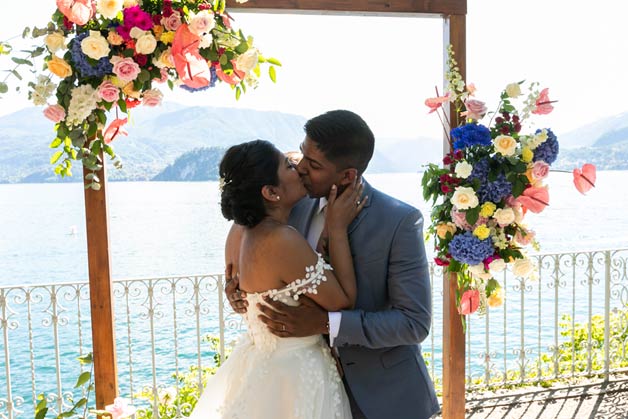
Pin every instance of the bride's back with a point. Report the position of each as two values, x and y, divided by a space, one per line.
253 255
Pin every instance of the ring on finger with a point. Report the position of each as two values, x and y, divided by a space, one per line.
283 327
357 203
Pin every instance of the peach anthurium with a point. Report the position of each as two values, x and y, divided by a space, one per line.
192 68
436 102
114 129
584 179
534 198
469 302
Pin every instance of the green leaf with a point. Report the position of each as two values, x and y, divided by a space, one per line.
144 76
122 105
41 413
242 48
21 61
82 402
56 142
272 74
26 32
86 359
95 186
238 92
3 87
16 74
274 61
55 157
223 60
109 151
472 215
91 131
37 52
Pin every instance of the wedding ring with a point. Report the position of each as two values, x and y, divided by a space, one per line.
283 327
357 203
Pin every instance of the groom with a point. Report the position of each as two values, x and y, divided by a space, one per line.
378 342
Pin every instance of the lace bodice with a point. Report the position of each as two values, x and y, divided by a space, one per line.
257 331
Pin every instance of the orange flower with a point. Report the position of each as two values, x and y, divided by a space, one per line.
584 179
469 302
436 102
543 103
534 198
114 129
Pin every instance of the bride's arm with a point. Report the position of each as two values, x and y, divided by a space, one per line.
341 210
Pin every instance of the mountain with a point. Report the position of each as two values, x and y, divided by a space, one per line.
197 165
604 132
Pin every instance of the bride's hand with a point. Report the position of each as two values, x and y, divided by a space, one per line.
343 208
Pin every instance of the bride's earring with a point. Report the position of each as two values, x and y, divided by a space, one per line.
278 197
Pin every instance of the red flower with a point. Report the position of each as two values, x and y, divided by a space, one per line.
505 130
140 59
131 103
584 179
445 189
517 127
447 160
534 198
458 155
441 262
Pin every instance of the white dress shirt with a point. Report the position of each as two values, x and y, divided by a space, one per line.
313 235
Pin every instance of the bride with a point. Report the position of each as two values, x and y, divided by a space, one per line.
267 377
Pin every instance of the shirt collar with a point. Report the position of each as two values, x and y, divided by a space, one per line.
322 203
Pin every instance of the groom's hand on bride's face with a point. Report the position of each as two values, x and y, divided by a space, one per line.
235 296
284 321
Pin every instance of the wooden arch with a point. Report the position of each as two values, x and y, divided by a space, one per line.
453 14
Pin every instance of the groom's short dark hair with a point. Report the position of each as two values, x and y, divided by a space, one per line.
344 138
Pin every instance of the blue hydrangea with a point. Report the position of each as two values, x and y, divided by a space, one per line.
469 135
467 248
81 61
548 150
212 83
479 171
494 191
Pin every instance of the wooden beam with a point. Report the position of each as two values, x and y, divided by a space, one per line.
428 7
100 291
453 334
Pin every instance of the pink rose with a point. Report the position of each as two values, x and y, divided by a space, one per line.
108 91
120 408
77 11
125 68
524 237
172 22
475 109
460 220
164 76
152 97
540 170
55 113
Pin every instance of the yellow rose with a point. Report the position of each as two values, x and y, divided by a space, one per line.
165 59
513 90
443 228
145 44
55 41
95 46
59 67
526 155
464 198
496 299
167 37
487 209
482 232
505 145
129 91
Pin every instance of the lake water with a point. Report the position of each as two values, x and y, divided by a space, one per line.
162 229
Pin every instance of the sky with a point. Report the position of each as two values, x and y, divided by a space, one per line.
385 67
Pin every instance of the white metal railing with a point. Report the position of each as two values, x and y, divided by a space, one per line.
161 324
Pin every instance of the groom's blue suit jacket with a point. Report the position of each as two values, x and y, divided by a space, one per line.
379 340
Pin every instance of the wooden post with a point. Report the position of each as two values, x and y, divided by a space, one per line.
453 335
100 291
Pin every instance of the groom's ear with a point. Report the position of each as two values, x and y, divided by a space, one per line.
348 176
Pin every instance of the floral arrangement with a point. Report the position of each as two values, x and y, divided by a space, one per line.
493 175
117 52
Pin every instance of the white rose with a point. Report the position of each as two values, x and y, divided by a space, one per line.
522 267
505 144
55 41
145 44
513 90
463 169
518 214
504 216
109 8
95 46
206 41
479 272
136 32
247 61
201 22
497 265
464 198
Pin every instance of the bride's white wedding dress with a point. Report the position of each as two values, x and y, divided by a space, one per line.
267 377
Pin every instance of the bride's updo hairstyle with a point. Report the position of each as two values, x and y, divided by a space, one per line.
244 170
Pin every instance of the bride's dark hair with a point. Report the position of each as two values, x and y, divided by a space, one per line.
244 170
